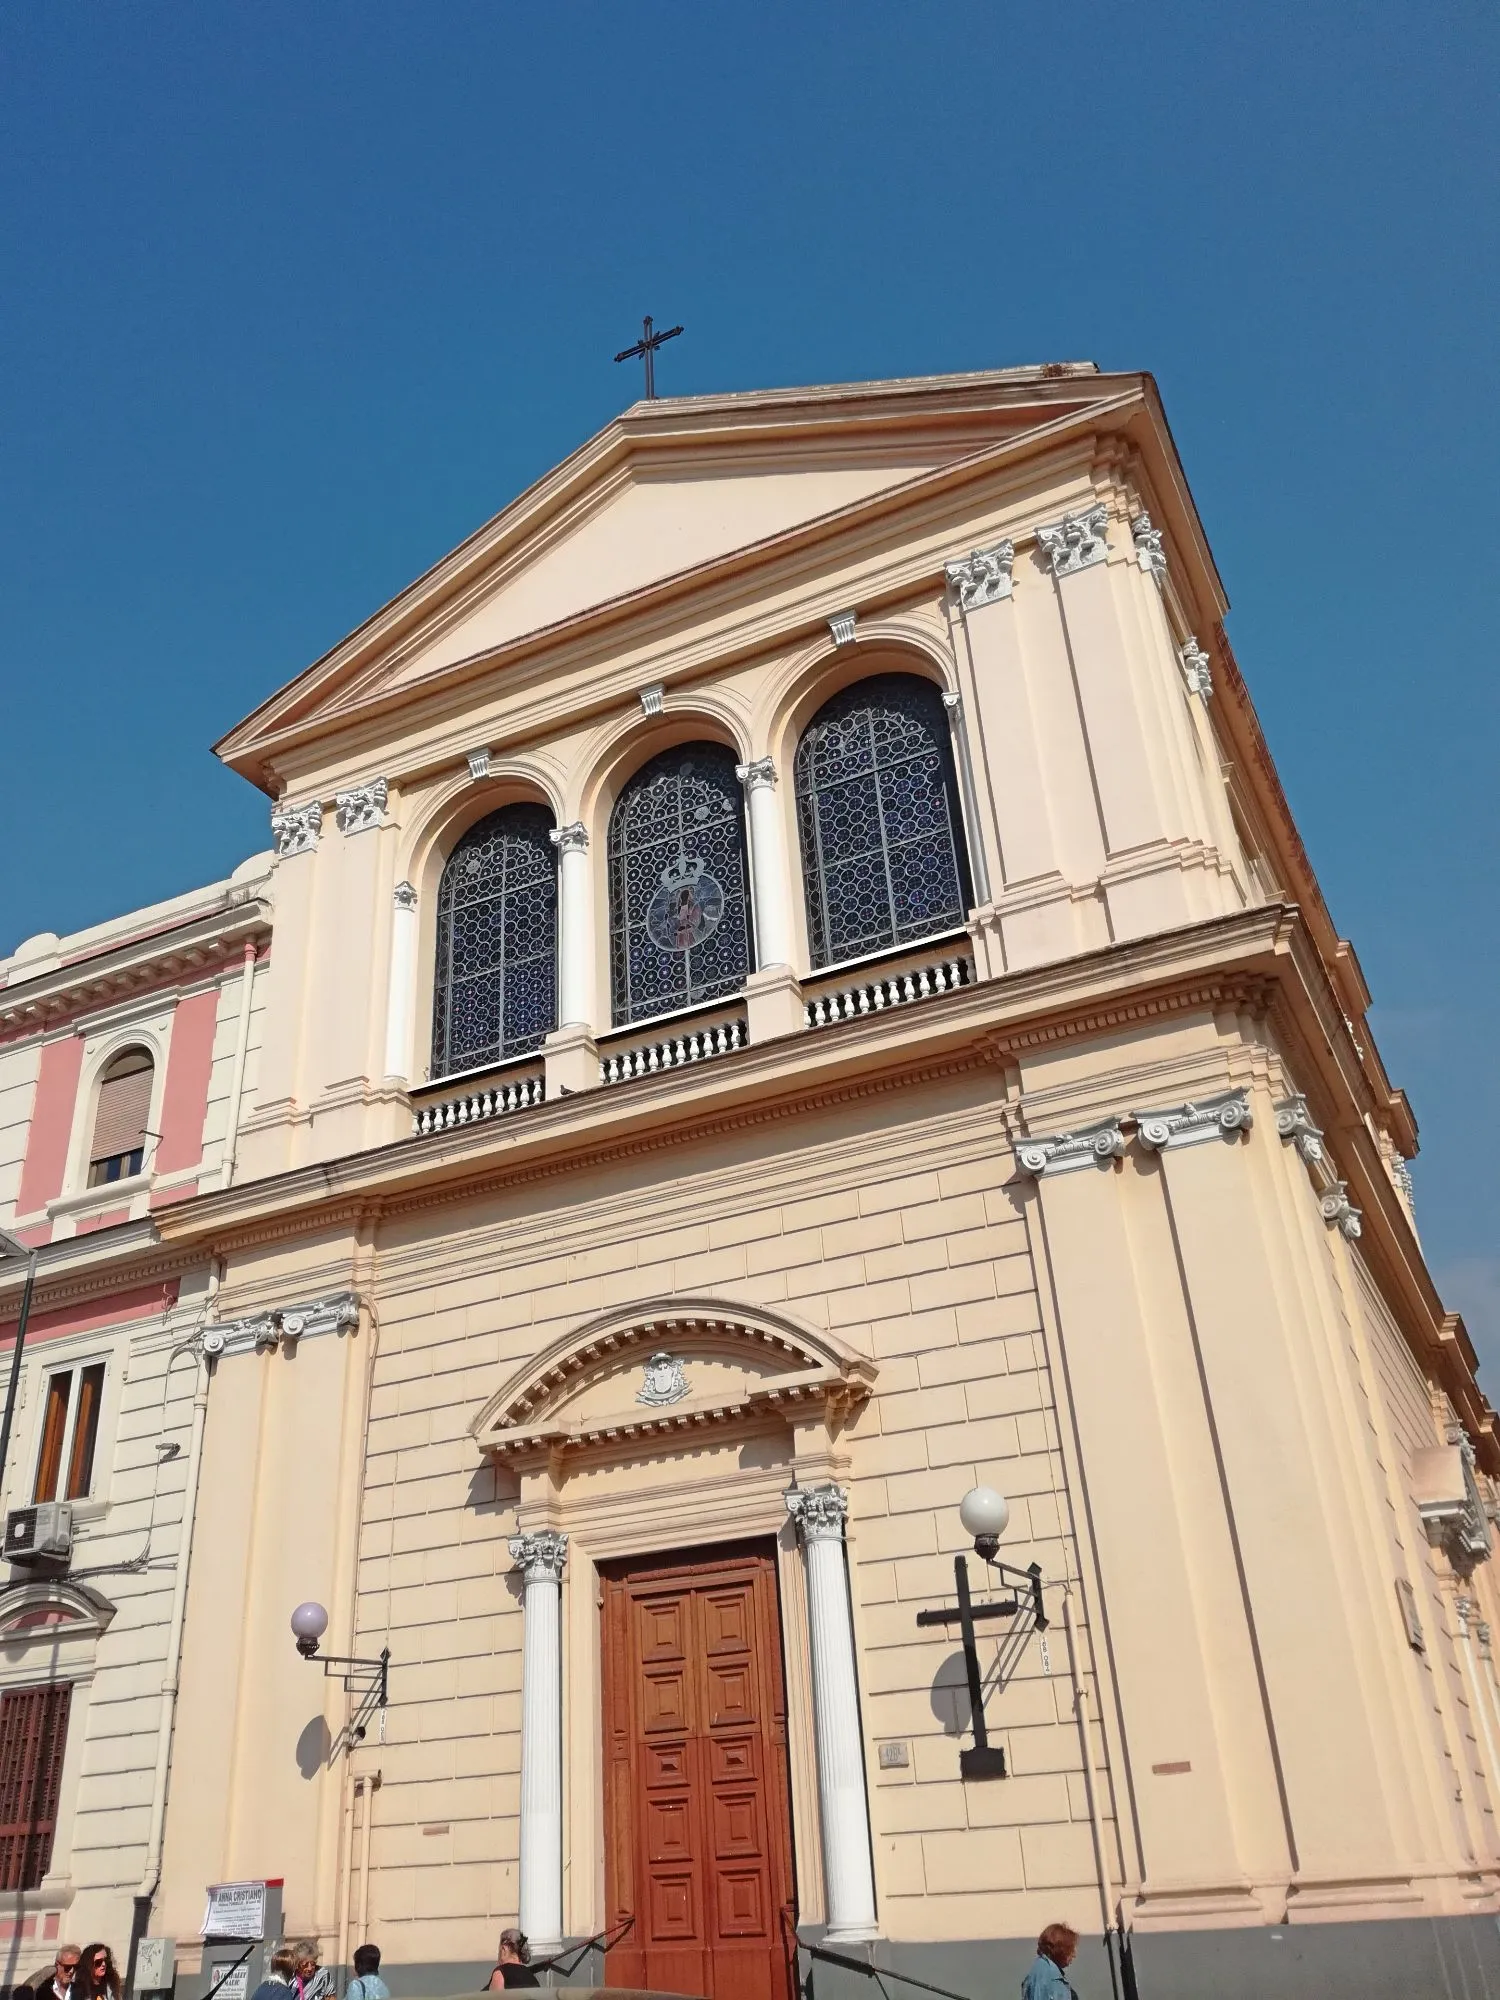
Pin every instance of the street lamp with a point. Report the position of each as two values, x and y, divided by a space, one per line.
11 1246
985 1515
370 1679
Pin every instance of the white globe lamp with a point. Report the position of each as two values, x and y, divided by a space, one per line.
985 1515
309 1623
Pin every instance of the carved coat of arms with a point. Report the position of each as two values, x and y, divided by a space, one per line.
664 1381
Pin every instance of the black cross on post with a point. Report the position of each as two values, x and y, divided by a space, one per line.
646 347
987 1760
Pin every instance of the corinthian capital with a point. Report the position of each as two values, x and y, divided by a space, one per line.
819 1512
1077 542
1149 552
540 1556
572 839
983 577
295 829
362 807
754 775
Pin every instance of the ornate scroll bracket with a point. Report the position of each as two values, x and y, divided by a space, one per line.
1338 1209
362 807
1149 552
983 577
295 829
1078 541
263 1332
818 1511
1294 1123
572 839
1197 669
540 1556
1219 1117
1094 1146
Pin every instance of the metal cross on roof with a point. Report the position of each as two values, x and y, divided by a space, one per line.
646 347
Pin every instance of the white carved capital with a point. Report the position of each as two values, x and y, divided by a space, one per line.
1095 1146
362 807
1337 1208
760 773
338 1313
1149 552
983 577
572 839
652 698
1401 1175
540 1556
406 896
295 829
841 625
479 764
1294 1122
819 1512
1197 669
1077 541
954 703
1190 1124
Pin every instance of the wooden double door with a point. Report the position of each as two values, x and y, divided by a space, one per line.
698 1844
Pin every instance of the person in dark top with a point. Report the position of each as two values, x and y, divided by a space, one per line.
513 1966
278 1986
98 1976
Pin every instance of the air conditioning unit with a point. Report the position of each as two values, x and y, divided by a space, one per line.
39 1534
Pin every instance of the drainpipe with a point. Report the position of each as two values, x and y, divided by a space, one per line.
237 1074
151 1876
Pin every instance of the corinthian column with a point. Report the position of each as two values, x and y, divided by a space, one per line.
843 1807
773 913
540 1557
575 985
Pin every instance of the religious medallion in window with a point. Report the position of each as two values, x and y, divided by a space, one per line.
495 990
679 912
883 859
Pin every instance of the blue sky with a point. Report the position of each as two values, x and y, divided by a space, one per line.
296 297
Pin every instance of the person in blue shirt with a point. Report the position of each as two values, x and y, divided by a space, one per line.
1054 1954
367 1983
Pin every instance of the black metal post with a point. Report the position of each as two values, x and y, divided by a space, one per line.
15 1361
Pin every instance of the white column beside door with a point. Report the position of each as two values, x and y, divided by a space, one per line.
540 1557
843 1804
773 913
575 983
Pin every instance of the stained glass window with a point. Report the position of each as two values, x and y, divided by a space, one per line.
496 979
883 860
679 908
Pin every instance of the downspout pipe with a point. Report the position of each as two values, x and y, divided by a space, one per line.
237 1073
151 1877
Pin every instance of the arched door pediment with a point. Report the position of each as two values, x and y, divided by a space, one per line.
679 1367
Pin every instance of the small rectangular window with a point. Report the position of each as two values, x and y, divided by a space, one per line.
70 1433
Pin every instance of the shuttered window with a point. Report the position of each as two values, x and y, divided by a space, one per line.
70 1433
120 1119
33 1732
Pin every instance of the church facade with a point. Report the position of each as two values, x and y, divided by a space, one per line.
787 990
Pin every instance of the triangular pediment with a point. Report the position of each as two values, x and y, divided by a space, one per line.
645 1371
667 492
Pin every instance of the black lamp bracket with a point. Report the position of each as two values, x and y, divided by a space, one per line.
1023 1607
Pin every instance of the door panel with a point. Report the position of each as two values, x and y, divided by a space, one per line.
698 1843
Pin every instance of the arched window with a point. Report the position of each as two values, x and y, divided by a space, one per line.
679 911
119 1142
883 860
495 991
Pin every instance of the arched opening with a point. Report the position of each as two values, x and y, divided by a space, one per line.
679 904
883 858
118 1147
495 971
